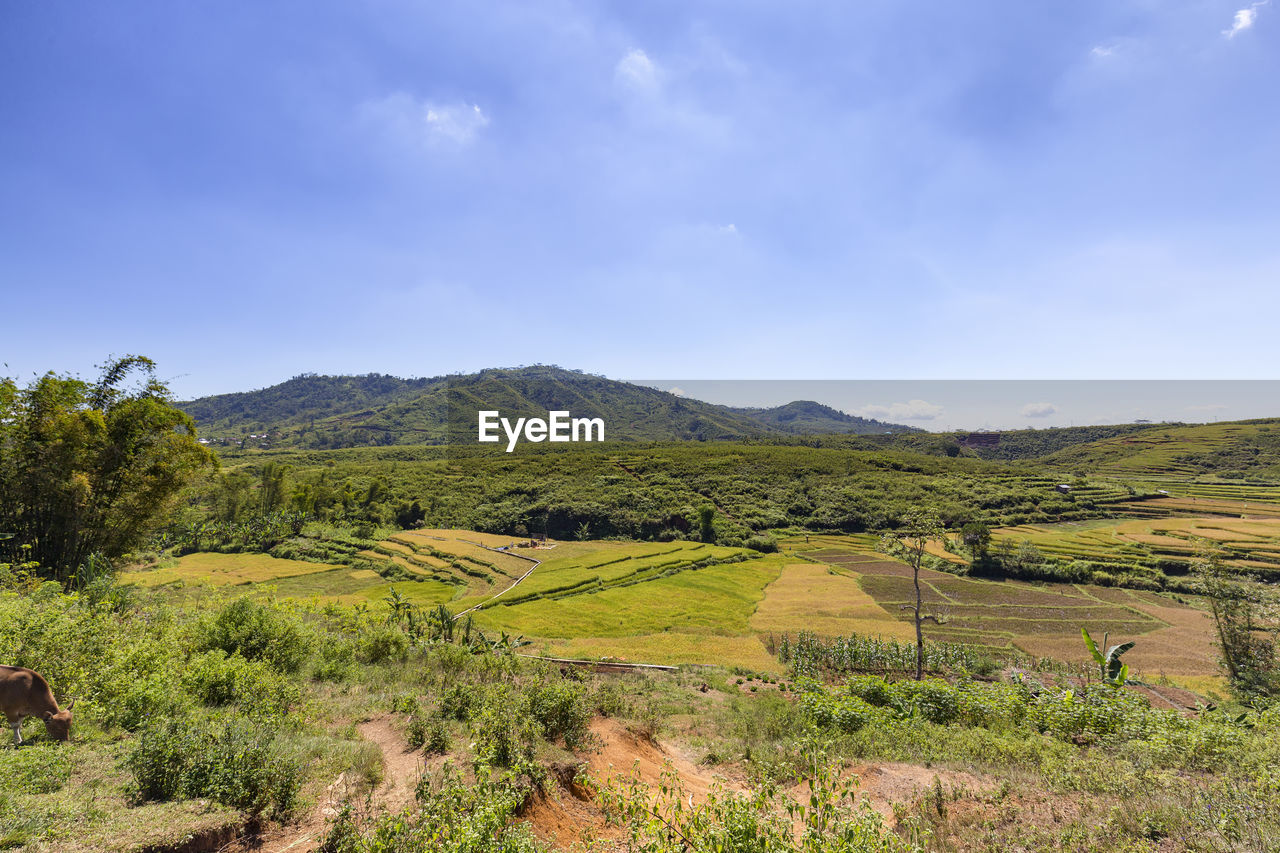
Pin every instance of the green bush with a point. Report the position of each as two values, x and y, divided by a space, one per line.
216 678
258 632
336 660
763 544
428 733
458 700
503 728
231 760
382 644
450 817
561 709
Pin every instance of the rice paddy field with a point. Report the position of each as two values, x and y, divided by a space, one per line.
684 602
1248 541
1174 637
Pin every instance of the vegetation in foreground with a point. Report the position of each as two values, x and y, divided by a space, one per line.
252 708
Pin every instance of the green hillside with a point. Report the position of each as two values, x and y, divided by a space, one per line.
354 411
1235 450
805 417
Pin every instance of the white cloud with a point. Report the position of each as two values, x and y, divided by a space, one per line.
423 122
728 229
1244 19
913 410
636 71
676 391
1102 51
1039 410
457 123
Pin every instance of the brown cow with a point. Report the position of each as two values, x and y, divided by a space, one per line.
25 693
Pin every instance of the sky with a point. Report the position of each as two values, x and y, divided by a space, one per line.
718 190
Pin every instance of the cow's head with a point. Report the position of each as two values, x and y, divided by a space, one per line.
59 725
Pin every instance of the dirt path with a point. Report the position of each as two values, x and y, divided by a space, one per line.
402 767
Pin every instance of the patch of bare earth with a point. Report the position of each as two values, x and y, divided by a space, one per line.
888 783
567 814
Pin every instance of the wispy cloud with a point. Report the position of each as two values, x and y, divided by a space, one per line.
912 410
416 121
1039 410
1102 51
1244 19
637 72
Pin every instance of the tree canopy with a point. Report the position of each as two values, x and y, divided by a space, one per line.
87 468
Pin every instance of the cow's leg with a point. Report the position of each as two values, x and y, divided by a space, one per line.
17 732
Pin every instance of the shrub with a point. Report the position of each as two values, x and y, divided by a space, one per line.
561 710
457 701
428 733
232 760
337 660
382 644
216 678
763 544
258 632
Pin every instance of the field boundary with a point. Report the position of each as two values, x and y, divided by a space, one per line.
514 584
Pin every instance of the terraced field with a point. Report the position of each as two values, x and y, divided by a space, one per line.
685 602
1251 543
1174 638
227 570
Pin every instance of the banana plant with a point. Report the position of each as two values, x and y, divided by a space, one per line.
1113 672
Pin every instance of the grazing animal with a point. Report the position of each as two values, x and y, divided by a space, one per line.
25 693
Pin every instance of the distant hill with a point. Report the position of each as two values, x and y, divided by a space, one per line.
352 411
805 417
1227 450
1035 443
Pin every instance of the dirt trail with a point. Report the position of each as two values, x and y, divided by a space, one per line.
402 767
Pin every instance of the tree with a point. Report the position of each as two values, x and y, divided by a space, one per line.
1244 618
910 543
706 523
976 536
87 469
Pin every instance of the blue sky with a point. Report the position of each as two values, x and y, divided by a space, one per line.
869 190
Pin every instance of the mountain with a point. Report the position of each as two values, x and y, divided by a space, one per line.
347 411
805 417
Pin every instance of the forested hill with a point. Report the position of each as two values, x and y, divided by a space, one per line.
805 417
301 400
1035 443
354 411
